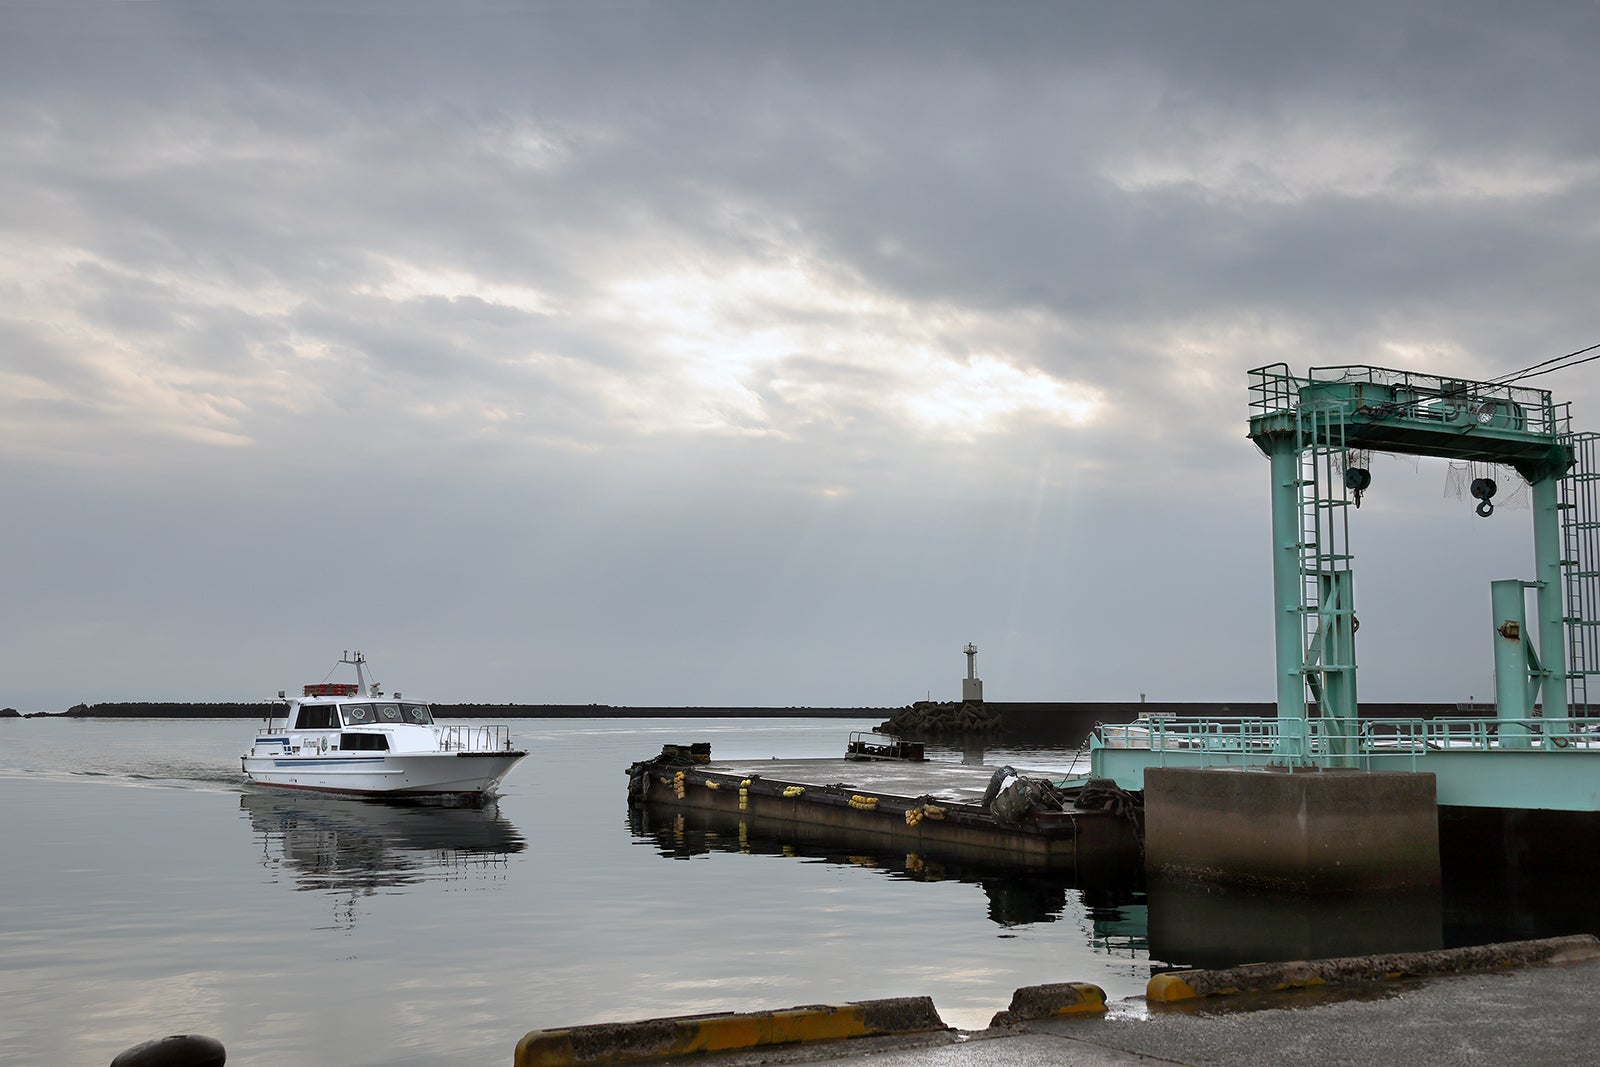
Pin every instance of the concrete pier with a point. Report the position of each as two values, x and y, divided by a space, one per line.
1304 831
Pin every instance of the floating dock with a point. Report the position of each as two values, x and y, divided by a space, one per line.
923 807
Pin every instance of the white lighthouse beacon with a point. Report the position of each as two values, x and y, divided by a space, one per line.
972 685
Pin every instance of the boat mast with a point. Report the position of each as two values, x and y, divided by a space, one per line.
358 661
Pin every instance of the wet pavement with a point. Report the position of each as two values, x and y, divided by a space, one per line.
1533 1015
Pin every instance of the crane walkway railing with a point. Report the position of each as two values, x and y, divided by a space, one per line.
1319 742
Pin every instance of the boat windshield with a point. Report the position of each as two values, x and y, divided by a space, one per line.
358 714
366 714
316 717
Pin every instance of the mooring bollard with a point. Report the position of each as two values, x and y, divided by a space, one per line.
179 1050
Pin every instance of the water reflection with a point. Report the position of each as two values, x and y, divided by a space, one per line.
339 843
1207 926
1178 924
1016 896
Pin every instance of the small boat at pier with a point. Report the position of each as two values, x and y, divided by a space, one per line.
350 738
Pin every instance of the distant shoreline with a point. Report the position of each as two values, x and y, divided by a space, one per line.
1021 713
176 710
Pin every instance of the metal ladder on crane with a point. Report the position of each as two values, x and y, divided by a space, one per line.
1580 567
1327 611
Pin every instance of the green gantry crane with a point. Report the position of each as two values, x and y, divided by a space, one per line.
1309 426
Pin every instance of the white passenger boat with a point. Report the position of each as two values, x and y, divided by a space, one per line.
351 738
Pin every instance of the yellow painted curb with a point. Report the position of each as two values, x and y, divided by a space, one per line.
1091 999
1176 986
1049 1001
657 1039
1167 988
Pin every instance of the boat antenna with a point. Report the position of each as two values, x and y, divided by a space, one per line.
359 662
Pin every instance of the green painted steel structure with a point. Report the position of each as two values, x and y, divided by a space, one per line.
1557 768
1541 750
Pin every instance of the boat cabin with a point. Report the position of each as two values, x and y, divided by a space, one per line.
335 716
338 717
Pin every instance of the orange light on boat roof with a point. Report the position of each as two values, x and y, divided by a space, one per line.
331 689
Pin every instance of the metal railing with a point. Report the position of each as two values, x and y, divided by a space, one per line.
470 738
1273 389
1403 394
1480 735
1161 734
1431 398
1247 742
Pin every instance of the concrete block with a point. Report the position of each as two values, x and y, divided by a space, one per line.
662 1039
1175 986
1050 1001
1308 831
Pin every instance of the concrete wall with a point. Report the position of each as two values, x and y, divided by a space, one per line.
1304 831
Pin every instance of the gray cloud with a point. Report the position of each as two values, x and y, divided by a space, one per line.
719 353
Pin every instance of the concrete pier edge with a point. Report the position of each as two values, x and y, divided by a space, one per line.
656 1040
661 1039
1176 986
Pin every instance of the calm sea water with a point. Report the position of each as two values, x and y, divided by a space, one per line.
146 891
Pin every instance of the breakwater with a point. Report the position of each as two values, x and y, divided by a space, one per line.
1039 720
187 710
1067 722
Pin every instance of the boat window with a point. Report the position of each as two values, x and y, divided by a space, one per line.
357 714
317 717
388 712
364 742
417 714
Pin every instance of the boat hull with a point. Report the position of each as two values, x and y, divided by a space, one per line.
397 775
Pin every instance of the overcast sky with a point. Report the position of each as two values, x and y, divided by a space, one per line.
752 353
